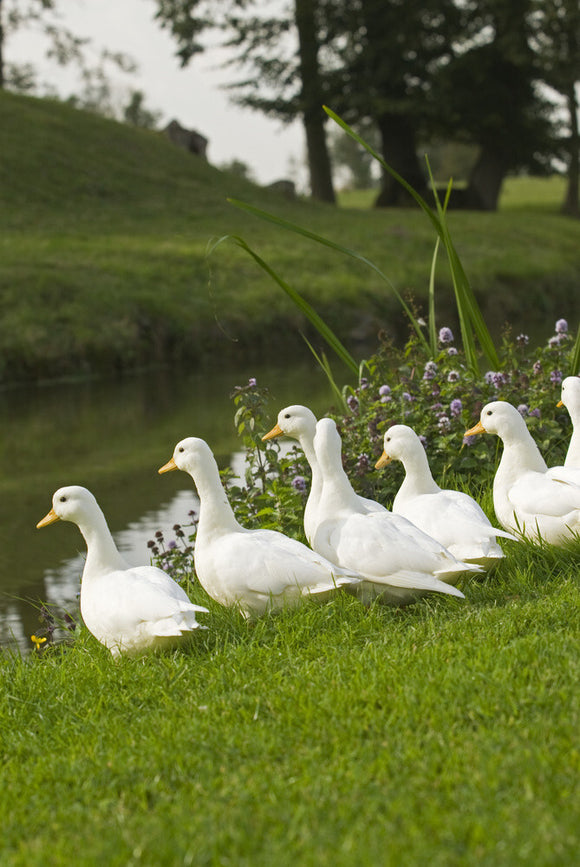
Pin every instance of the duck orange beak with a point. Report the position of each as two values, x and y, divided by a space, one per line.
476 429
166 468
383 461
49 518
560 403
275 432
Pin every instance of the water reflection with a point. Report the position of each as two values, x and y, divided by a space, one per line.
110 437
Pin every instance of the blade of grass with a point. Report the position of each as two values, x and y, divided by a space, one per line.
299 230
468 309
298 300
576 355
324 364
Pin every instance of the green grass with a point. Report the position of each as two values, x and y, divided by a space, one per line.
445 733
103 234
545 194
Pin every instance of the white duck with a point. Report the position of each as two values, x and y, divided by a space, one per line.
254 570
454 518
397 561
299 422
571 400
127 608
528 497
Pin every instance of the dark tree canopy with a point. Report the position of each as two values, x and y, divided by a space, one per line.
466 72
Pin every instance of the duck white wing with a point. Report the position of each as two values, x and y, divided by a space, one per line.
259 569
389 550
544 506
135 609
456 521
570 475
542 494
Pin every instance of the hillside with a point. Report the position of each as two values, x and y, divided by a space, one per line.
104 232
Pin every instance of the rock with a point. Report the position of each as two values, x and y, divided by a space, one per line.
189 139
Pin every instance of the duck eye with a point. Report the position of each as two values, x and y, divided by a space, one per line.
181 449
63 499
387 439
489 412
287 415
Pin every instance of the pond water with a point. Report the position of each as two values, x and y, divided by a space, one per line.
110 437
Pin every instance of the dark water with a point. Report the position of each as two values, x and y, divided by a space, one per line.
110 437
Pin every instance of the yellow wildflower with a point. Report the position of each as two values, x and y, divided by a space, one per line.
38 640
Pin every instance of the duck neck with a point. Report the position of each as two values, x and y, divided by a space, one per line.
337 492
520 454
418 478
102 553
573 453
306 441
215 513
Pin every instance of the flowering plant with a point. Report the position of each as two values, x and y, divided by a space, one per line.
443 397
439 399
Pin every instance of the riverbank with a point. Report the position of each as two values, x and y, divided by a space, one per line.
104 269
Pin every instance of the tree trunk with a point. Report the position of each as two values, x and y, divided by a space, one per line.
571 203
312 100
485 181
399 148
2 75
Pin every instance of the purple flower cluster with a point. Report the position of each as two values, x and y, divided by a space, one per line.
556 377
522 340
363 464
299 483
445 335
352 403
495 378
523 409
385 393
455 407
561 327
430 370
444 423
453 376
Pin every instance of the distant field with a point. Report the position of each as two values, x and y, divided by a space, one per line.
104 232
546 194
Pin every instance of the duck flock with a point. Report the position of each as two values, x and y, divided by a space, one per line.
425 544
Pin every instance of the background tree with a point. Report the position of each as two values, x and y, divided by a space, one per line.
487 97
349 155
555 36
387 53
63 46
277 54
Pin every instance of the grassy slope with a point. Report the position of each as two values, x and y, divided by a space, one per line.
443 734
103 237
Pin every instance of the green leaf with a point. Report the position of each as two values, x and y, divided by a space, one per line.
320 239
303 305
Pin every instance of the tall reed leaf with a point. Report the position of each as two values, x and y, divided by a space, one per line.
470 317
326 242
323 363
303 305
576 354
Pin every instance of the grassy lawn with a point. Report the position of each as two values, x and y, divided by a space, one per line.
445 733
103 267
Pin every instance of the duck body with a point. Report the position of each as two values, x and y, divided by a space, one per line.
571 400
397 560
299 422
451 517
528 498
253 570
128 609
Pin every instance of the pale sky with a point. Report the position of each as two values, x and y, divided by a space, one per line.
191 95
